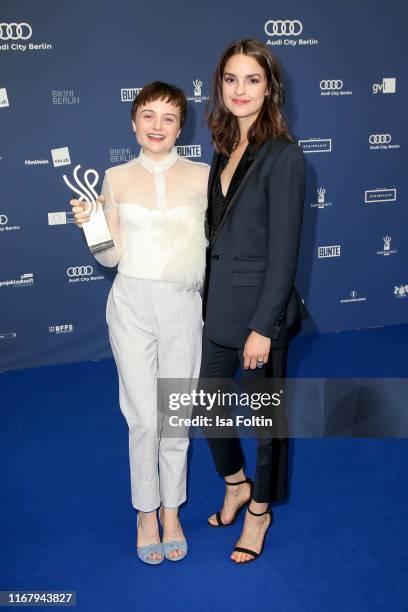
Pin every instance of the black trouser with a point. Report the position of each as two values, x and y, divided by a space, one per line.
271 476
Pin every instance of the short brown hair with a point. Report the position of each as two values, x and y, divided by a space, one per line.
161 91
270 121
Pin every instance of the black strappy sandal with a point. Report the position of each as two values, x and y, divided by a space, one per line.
218 514
254 554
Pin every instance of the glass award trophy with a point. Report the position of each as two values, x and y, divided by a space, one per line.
96 230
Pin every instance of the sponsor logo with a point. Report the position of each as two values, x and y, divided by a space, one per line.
8 335
3 98
321 199
352 298
36 162
121 155
80 271
380 195
387 247
60 157
25 280
78 274
388 86
15 31
197 97
329 251
401 291
128 95
60 218
64 96
4 225
316 145
381 142
66 328
333 87
189 150
14 37
286 32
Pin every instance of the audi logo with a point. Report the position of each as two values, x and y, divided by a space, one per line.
3 219
334 84
15 31
80 271
285 27
380 139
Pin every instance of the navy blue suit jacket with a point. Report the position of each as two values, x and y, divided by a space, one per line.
252 258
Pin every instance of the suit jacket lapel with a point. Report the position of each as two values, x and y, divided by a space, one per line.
239 189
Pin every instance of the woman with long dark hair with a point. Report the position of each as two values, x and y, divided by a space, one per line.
251 307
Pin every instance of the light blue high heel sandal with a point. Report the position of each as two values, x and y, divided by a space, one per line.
173 545
144 552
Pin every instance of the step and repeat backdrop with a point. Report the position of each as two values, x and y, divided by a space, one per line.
69 71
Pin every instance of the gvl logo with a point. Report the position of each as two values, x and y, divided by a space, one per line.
380 195
321 201
387 247
388 86
3 98
129 94
329 251
316 145
401 291
189 150
60 157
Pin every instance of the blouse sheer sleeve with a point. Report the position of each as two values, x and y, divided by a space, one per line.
110 257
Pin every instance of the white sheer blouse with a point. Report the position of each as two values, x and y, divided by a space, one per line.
155 213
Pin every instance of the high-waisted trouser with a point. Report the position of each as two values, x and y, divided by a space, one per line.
271 473
155 331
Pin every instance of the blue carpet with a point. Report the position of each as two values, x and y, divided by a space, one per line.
66 522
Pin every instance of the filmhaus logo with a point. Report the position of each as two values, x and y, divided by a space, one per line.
333 250
25 280
333 87
316 145
4 225
321 199
198 96
4 101
380 195
381 142
287 32
65 328
64 96
129 94
120 155
352 298
60 157
16 36
189 150
387 86
401 291
77 274
387 247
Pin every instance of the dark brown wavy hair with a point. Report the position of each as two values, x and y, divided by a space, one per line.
270 121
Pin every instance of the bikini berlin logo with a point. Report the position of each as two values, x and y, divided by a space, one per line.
286 32
84 188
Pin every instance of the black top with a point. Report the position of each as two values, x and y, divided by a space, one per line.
218 202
